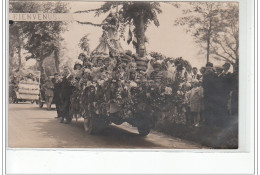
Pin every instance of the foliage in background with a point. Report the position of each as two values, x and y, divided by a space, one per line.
41 38
17 35
215 27
201 19
226 46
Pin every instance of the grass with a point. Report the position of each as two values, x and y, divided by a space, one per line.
225 137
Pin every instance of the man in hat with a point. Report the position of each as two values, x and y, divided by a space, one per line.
82 57
225 86
57 93
210 95
66 91
141 61
78 71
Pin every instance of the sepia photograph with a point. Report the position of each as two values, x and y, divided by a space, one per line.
123 74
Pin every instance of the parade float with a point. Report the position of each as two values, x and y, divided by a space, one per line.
116 86
106 91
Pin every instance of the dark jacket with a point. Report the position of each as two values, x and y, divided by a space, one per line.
66 87
57 92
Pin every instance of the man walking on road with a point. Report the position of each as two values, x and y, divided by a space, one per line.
66 91
57 94
48 88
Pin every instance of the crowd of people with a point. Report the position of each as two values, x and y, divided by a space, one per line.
119 84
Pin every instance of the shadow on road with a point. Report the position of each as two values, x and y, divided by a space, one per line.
74 136
34 107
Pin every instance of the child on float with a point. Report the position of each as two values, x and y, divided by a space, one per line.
83 58
157 73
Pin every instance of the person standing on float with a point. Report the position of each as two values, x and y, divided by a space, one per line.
141 63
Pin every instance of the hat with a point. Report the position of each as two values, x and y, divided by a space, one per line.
226 65
77 63
82 55
128 52
209 64
219 68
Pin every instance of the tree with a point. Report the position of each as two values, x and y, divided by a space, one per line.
16 33
138 14
16 40
202 20
42 38
84 44
226 46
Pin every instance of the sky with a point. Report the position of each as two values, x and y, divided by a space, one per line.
168 39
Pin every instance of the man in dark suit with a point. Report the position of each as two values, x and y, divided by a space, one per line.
226 84
57 93
66 92
210 95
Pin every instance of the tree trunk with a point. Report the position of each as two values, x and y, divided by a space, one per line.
19 58
208 40
140 32
208 47
41 66
57 60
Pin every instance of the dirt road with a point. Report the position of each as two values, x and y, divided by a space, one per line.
32 127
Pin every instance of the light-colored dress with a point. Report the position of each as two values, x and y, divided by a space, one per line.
196 97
